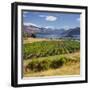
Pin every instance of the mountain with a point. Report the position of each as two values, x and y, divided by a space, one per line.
73 33
52 33
33 30
30 30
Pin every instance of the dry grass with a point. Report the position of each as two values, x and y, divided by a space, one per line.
67 69
73 69
31 40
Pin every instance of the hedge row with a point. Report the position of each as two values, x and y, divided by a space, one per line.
46 63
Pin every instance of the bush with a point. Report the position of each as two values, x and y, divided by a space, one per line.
58 62
39 65
42 64
33 35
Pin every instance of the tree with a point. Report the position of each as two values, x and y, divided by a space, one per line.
33 35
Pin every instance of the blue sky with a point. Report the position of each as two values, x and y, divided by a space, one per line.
51 19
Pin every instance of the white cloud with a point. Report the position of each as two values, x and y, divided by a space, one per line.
42 16
24 15
25 12
48 18
49 27
28 24
78 19
51 18
66 27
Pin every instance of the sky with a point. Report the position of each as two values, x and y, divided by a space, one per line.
55 20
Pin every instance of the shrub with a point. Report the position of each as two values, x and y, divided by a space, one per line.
58 62
46 63
39 65
33 35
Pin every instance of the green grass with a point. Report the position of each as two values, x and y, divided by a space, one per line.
49 48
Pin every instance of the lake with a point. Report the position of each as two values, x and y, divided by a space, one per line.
56 36
48 35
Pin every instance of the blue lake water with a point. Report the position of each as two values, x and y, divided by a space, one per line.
55 36
45 35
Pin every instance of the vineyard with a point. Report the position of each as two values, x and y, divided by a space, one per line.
42 57
49 48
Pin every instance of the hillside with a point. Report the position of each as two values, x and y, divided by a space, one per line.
41 32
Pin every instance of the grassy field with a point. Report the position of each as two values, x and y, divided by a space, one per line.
50 57
31 40
49 48
71 67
